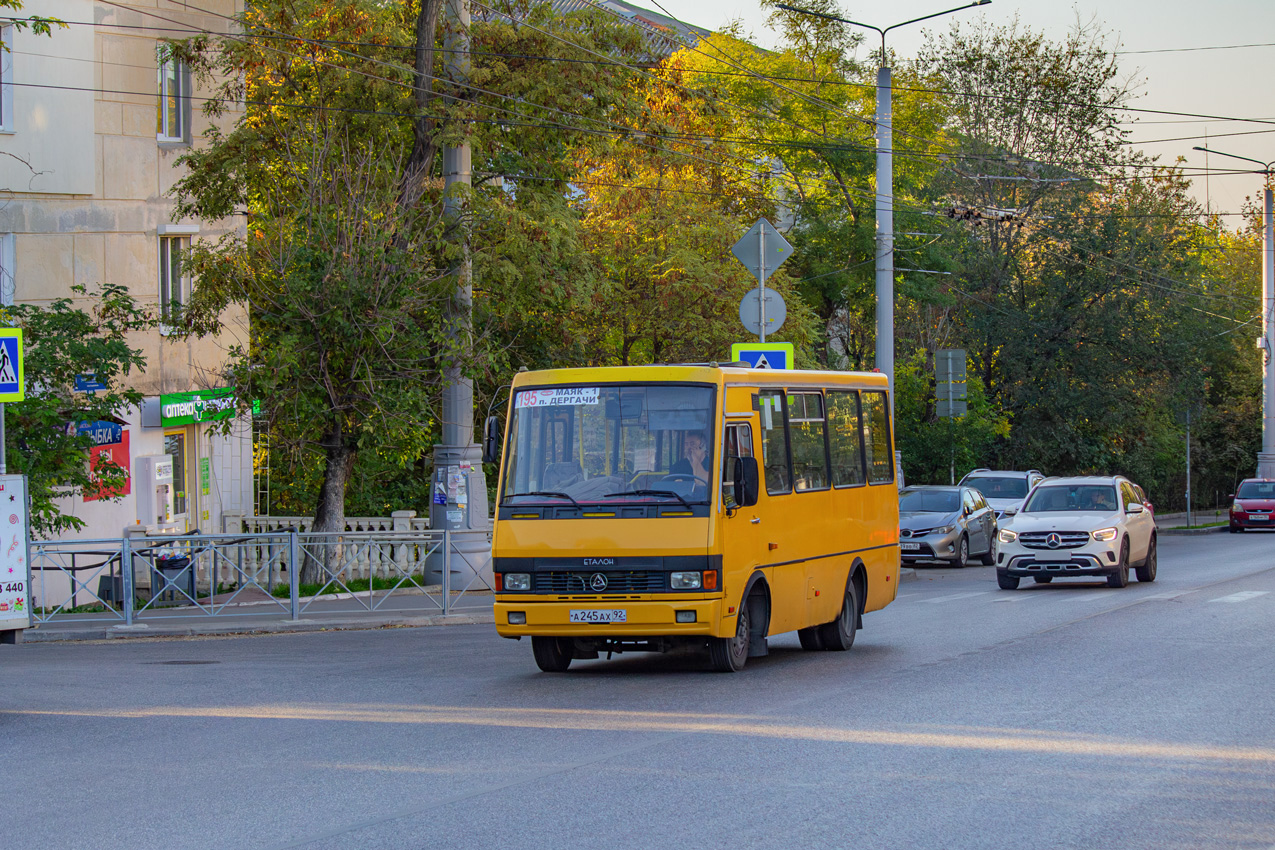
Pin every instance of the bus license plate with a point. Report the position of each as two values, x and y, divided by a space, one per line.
910 547
599 615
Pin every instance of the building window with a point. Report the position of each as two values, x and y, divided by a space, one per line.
174 283
174 101
7 284
6 79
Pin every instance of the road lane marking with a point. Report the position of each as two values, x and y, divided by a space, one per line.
1015 597
1242 596
956 596
1164 596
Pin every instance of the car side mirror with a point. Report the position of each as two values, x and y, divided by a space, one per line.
1134 508
491 440
747 481
1231 497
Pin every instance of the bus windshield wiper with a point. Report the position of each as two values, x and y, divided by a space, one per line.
546 493
649 493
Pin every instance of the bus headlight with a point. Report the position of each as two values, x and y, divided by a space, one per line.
685 581
1008 535
517 581
1105 534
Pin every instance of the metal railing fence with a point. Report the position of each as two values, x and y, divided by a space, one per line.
209 575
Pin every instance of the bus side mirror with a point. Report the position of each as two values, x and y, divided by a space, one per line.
746 481
491 440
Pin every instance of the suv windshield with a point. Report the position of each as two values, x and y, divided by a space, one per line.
1072 497
999 486
593 444
929 501
1256 490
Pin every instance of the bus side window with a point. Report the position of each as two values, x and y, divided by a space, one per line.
844 438
738 443
774 442
809 451
876 438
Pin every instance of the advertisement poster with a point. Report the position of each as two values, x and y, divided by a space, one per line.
118 454
15 598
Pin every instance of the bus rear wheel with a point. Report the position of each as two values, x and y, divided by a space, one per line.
728 655
838 635
553 655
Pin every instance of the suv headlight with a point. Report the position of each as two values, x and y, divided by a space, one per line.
685 581
1106 534
517 581
1008 535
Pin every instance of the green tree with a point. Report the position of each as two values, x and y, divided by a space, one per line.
63 340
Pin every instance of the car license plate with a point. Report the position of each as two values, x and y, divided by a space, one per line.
1052 555
910 547
599 615
1262 517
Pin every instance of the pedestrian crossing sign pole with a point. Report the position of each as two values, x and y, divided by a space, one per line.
13 385
763 355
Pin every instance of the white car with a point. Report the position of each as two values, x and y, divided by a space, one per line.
1086 526
1004 489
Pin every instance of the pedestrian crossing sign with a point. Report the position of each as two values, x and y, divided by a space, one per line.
763 355
12 380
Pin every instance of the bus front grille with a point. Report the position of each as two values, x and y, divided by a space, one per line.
629 581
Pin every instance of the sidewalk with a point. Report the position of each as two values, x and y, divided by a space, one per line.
249 616
1176 523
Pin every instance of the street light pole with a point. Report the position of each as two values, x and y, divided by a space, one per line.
1266 457
885 186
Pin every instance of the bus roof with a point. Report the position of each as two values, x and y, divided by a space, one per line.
706 373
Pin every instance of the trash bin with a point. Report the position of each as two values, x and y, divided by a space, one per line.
171 574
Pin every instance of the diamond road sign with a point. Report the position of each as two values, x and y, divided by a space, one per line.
12 380
762 242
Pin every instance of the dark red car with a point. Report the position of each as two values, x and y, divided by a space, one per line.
1253 504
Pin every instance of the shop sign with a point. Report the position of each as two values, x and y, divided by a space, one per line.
198 406
101 432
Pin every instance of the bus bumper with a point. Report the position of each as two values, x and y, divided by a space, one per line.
643 618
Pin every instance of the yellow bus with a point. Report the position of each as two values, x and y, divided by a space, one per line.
646 508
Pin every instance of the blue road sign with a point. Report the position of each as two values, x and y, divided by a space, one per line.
88 383
12 380
763 355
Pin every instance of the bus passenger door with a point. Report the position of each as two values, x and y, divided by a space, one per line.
743 546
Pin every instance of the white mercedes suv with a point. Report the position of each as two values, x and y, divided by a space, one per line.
1087 526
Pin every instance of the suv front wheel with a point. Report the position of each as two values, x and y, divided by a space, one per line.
1120 578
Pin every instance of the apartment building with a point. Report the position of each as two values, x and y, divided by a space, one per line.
91 124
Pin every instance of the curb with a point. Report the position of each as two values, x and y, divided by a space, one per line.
907 574
1186 531
144 630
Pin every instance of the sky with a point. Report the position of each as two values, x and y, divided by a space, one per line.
1216 82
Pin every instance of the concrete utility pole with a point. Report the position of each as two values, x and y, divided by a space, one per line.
1266 457
459 498
885 187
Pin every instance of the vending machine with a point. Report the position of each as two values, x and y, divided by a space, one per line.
154 489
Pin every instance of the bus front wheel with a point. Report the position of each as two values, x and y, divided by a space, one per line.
553 655
728 655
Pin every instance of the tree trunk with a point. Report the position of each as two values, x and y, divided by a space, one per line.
424 142
322 561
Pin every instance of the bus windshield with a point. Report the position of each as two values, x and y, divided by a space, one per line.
610 444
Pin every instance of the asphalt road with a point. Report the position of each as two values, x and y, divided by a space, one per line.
1059 716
